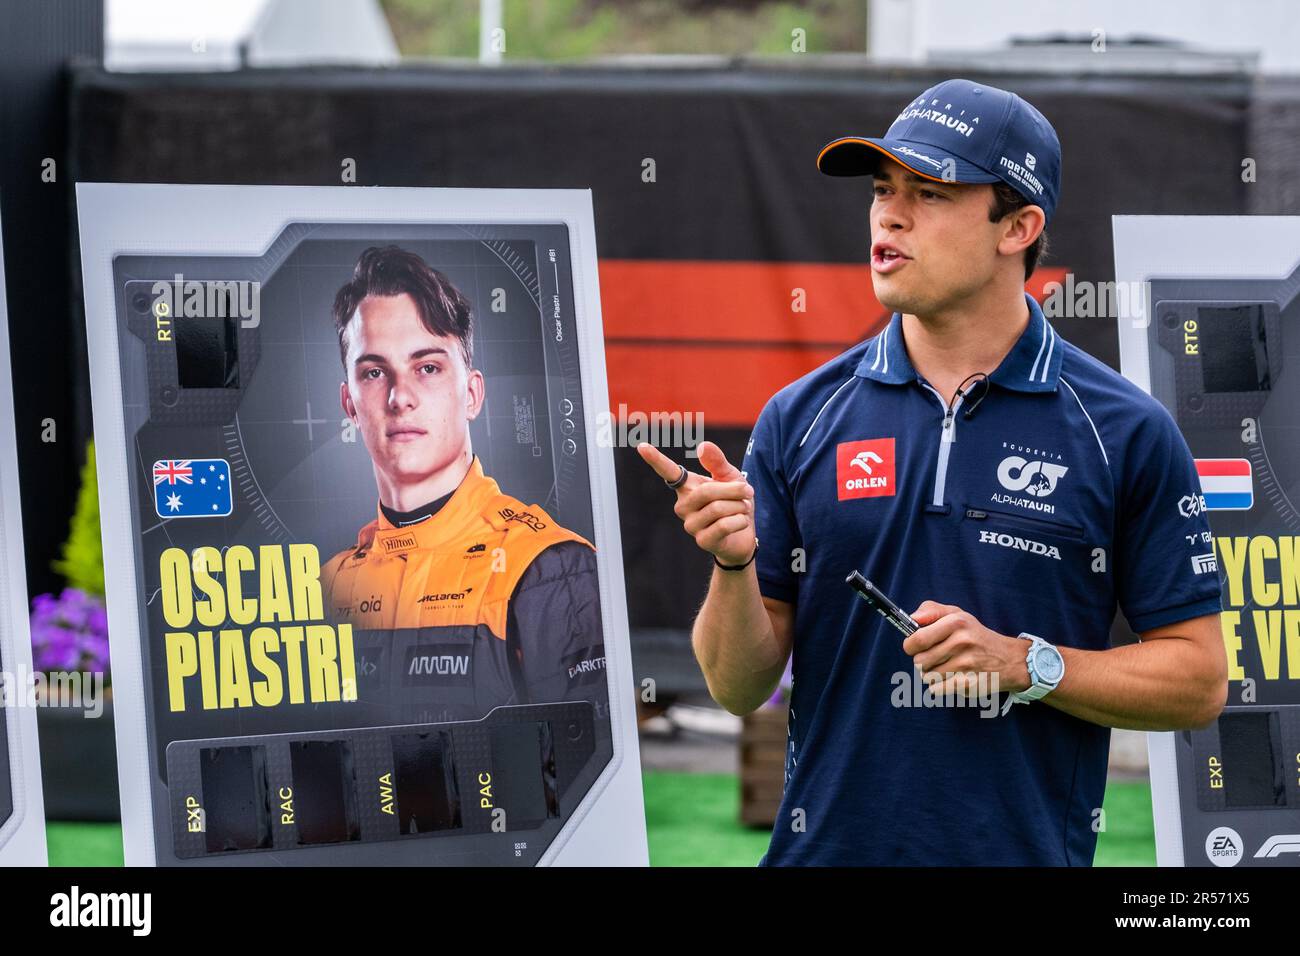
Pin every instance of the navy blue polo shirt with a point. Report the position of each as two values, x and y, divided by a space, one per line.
1066 491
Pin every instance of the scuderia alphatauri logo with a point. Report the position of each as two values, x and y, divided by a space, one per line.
1032 475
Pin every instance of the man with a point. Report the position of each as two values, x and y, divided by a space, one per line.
987 473
463 598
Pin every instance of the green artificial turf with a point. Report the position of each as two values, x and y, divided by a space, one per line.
691 820
84 844
1129 838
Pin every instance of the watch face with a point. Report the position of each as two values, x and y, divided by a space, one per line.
1048 664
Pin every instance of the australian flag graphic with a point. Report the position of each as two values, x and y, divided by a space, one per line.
193 488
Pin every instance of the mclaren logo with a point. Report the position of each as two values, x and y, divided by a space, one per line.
1036 478
1019 544
444 596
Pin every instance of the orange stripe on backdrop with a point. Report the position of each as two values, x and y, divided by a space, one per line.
721 337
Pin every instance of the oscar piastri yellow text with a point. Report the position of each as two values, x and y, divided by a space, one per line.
256 636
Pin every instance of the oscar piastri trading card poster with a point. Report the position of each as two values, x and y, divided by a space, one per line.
364 558
22 807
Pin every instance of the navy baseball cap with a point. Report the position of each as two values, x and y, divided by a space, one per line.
962 132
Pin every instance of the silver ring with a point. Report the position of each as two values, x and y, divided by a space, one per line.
678 481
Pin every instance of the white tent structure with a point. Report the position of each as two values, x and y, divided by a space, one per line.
142 35
1168 36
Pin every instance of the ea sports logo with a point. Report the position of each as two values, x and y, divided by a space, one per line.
1037 478
1223 846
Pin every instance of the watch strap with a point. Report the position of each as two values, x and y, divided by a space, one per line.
1039 688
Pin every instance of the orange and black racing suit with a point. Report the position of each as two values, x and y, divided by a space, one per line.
486 602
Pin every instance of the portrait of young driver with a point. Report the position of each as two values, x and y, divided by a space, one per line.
1002 485
462 598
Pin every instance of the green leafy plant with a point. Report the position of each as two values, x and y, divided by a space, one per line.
83 553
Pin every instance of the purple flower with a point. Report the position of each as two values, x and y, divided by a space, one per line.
70 632
783 687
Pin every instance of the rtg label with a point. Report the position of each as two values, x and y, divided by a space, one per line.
370 547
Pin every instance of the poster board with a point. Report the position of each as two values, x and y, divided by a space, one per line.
22 807
1211 328
432 693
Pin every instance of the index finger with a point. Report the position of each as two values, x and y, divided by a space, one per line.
930 635
663 466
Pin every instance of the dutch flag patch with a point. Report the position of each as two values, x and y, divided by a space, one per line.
1226 483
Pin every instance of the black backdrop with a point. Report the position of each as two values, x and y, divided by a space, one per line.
735 185
37 40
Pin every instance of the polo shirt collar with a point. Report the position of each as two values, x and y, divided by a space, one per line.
1032 365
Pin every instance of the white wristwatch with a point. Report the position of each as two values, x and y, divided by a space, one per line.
1046 668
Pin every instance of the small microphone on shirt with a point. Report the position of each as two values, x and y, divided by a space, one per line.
981 385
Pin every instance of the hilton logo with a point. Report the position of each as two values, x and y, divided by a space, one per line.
405 543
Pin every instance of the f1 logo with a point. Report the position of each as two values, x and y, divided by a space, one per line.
865 469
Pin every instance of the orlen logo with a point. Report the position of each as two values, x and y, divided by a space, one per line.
865 469
1037 478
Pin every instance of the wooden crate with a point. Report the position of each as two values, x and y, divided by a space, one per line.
762 765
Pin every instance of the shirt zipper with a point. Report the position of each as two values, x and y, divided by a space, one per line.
947 436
